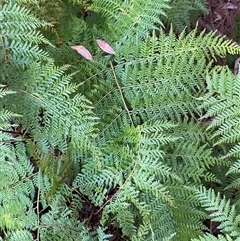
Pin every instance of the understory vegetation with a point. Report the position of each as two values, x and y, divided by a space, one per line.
120 120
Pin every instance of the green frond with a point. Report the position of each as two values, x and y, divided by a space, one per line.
19 235
6 126
186 216
222 103
138 167
26 1
182 13
14 12
220 210
46 94
57 226
19 35
121 144
210 237
17 191
4 91
156 81
234 184
194 161
234 168
103 236
125 18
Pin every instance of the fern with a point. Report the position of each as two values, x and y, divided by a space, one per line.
19 38
181 14
209 237
220 211
119 142
142 16
28 180
222 103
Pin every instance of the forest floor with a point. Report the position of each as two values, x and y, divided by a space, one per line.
223 16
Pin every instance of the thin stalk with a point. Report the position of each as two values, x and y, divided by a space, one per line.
121 93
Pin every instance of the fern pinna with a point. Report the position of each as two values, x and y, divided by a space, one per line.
119 141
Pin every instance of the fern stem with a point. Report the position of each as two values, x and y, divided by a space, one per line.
120 188
121 93
38 213
34 96
5 57
125 182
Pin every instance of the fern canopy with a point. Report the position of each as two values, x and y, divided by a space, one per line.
120 142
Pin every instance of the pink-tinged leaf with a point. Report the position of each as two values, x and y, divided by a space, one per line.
229 6
105 46
83 51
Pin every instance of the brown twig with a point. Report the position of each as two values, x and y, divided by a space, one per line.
236 66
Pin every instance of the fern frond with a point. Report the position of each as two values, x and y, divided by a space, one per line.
19 34
210 237
222 103
131 162
103 236
155 79
45 89
128 18
19 235
14 12
234 168
17 192
194 161
220 211
122 138
182 13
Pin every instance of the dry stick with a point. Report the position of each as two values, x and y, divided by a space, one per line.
5 73
124 103
236 66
